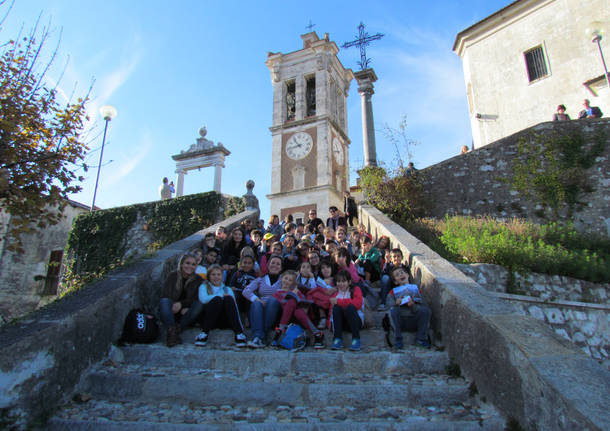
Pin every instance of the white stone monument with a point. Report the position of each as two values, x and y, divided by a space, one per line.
200 155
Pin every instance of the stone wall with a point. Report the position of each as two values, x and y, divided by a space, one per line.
43 355
23 275
576 310
522 366
477 183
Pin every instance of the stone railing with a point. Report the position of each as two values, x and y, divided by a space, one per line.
43 355
523 367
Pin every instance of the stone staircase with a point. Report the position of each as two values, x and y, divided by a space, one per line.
220 386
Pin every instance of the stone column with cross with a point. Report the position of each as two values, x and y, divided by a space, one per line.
365 78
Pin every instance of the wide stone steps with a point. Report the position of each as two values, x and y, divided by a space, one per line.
410 361
220 386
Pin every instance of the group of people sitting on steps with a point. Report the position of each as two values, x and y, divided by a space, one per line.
309 274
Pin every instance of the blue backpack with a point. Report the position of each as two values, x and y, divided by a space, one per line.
294 338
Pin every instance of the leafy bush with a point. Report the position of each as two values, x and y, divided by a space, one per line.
518 245
400 197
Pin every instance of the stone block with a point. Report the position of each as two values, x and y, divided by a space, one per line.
588 328
554 315
579 337
562 333
536 312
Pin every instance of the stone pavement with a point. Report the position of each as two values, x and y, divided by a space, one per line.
220 386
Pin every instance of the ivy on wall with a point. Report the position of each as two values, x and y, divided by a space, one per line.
551 169
98 240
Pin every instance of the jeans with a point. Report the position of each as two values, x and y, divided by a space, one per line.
168 318
417 321
386 286
348 315
263 316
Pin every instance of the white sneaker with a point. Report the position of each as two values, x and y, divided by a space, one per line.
240 340
256 343
201 339
322 324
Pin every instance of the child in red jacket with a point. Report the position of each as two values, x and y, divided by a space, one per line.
294 307
346 309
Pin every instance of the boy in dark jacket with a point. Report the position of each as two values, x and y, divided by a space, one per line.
408 310
387 284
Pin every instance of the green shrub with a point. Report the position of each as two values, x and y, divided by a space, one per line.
518 245
400 197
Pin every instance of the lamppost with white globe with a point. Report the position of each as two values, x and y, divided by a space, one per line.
596 30
108 112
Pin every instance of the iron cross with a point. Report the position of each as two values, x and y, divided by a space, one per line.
362 41
310 26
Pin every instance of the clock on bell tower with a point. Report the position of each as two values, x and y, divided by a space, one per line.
310 157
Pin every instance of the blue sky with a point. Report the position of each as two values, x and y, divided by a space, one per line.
171 67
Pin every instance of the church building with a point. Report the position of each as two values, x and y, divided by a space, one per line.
523 61
310 146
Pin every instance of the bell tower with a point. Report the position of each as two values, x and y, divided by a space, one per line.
310 147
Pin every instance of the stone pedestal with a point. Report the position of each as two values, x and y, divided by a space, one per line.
365 79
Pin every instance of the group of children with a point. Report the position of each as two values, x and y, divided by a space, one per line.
313 276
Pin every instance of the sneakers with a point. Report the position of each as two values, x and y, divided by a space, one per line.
381 307
240 340
318 340
322 324
337 344
355 346
276 338
172 336
201 339
424 344
256 343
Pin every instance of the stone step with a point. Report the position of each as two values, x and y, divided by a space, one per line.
415 423
96 414
188 356
215 388
372 340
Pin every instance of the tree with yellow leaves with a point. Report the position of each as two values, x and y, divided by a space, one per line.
41 145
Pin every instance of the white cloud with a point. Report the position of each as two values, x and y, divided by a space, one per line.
131 161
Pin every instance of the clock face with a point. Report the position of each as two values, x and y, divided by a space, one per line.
338 151
299 145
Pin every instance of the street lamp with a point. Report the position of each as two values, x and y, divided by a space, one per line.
108 112
596 31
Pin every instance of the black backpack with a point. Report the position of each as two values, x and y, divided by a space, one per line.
140 327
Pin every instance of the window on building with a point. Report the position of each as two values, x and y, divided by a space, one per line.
535 63
310 92
291 107
52 278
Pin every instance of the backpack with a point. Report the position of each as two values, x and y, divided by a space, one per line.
294 338
139 327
